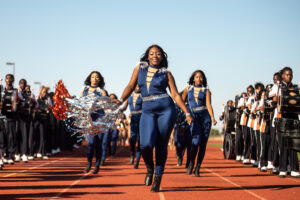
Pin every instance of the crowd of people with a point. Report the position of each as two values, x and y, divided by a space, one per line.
258 140
29 130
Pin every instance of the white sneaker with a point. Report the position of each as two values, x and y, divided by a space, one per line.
38 155
30 157
238 158
295 174
76 146
242 158
270 165
10 161
1 162
263 169
58 150
5 161
282 174
17 158
252 161
24 158
45 157
246 161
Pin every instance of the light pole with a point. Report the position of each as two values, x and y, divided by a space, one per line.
14 66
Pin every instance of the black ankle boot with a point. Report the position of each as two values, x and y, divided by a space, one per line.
131 160
156 184
190 168
149 177
96 170
136 165
179 161
88 168
197 171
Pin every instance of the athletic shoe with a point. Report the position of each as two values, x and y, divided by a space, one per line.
238 158
45 157
295 174
282 174
39 155
30 157
53 151
246 161
263 169
275 170
252 161
1 162
17 158
5 161
242 158
24 158
270 165
10 161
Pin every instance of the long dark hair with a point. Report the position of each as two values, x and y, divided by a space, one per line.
191 80
101 82
164 61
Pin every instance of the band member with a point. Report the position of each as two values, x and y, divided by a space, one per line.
9 108
158 109
199 100
239 141
24 117
243 104
255 112
40 126
274 144
285 153
135 106
94 83
265 133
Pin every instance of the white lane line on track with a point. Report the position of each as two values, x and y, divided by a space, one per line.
77 181
25 170
69 187
294 180
225 179
161 196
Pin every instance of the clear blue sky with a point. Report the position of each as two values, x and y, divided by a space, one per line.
236 43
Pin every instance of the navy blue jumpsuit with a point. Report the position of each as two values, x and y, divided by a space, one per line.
94 141
200 128
136 113
158 116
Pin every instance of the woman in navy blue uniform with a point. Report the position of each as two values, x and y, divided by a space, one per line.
94 83
199 100
158 109
135 105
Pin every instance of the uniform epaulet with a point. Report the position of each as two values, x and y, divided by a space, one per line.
190 87
143 64
163 70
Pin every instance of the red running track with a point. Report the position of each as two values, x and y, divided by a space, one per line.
61 177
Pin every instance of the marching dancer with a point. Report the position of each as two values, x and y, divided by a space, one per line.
158 109
199 100
135 105
94 83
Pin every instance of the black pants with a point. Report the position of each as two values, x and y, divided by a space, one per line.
274 144
3 141
253 148
39 133
239 142
11 137
247 142
23 134
286 156
258 144
265 146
